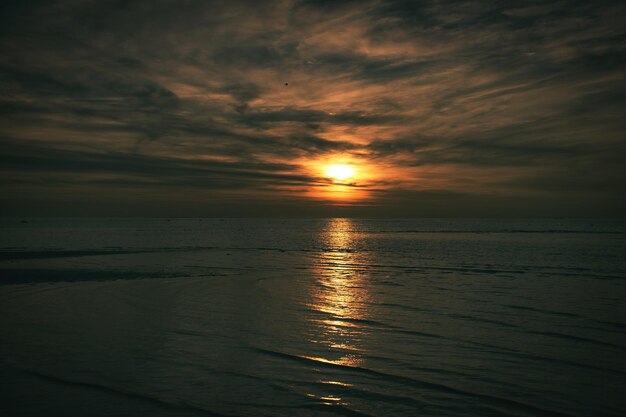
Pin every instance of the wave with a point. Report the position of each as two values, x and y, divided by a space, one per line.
137 396
418 383
12 276
579 339
506 351
10 255
507 231
14 253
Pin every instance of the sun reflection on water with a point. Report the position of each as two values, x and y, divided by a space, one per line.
340 295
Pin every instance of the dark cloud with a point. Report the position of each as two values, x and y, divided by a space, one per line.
243 92
90 167
373 69
317 116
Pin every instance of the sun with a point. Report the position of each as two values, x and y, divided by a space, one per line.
340 172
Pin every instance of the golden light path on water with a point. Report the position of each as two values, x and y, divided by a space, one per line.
340 298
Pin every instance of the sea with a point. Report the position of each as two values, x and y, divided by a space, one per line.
312 317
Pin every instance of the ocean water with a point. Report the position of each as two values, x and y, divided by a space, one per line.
327 317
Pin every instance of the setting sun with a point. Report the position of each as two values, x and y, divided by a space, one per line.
340 172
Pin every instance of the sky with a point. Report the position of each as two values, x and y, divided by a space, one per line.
239 108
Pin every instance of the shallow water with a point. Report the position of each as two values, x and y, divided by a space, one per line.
258 317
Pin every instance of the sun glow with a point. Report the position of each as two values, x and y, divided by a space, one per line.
340 172
340 179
